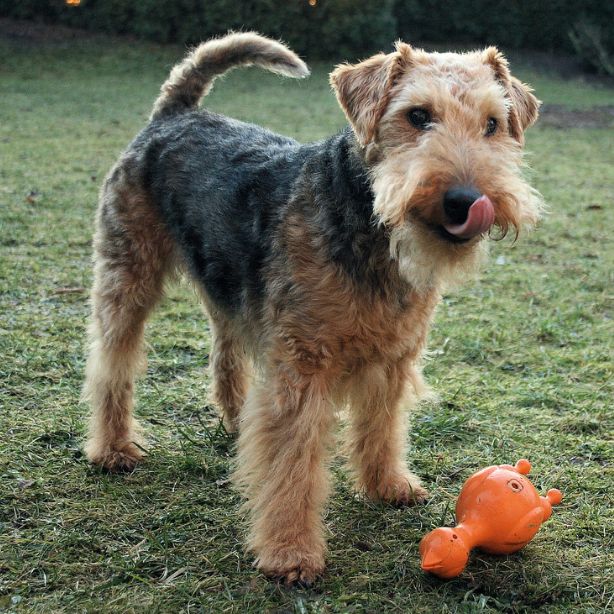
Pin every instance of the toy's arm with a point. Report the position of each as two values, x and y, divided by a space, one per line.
553 497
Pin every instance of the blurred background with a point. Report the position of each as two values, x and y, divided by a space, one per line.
349 29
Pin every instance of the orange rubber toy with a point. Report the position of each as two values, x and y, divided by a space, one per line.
498 510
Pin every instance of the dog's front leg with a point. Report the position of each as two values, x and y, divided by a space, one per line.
377 433
283 440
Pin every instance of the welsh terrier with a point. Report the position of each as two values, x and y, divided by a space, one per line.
320 265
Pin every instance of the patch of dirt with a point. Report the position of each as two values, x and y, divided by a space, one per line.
559 116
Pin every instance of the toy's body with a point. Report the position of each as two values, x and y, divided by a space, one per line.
498 510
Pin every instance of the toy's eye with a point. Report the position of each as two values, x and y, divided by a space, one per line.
515 486
491 126
419 118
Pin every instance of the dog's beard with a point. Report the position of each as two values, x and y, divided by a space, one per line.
428 263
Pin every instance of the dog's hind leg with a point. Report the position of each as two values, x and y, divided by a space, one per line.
131 256
229 369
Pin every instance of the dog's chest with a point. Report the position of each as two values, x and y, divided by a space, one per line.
385 331
343 334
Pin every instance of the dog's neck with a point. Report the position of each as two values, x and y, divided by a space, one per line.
336 171
352 175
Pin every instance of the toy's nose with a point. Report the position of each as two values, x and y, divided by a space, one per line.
456 202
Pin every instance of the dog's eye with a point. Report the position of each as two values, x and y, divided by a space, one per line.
491 126
419 118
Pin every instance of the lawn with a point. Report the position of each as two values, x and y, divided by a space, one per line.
521 357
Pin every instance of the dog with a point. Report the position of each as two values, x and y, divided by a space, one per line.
320 265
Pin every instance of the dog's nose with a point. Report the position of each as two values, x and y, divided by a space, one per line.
456 203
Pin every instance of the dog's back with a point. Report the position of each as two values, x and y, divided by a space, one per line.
220 187
216 185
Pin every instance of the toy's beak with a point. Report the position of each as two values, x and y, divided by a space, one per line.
431 561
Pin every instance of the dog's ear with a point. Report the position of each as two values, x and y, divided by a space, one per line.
524 106
363 90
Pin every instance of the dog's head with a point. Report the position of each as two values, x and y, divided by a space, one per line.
443 135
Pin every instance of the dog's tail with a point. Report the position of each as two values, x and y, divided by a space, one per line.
192 78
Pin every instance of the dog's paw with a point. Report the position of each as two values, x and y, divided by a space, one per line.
231 424
402 488
291 567
118 458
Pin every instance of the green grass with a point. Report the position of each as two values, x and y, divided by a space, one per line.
522 360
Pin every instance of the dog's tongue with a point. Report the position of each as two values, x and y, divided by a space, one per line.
480 218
